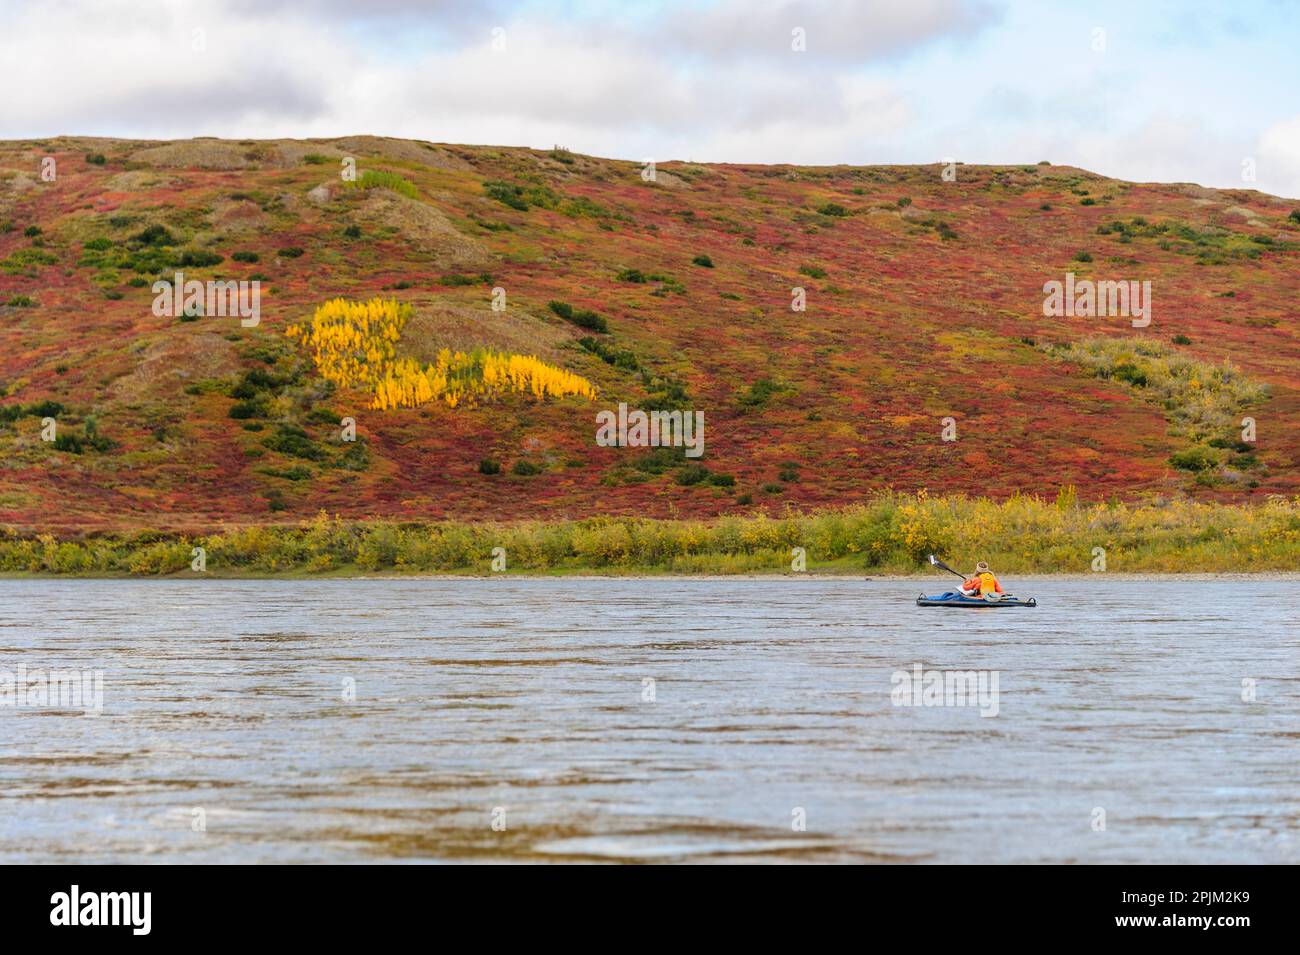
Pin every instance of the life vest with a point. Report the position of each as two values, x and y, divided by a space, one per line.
984 583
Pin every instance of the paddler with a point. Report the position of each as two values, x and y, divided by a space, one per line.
981 583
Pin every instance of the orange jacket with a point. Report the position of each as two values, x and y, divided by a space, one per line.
985 583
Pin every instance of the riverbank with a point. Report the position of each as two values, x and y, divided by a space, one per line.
890 535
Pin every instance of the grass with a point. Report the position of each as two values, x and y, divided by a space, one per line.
379 179
890 534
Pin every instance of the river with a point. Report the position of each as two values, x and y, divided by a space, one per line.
1123 720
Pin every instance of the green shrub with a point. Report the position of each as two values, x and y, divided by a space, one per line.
618 357
96 159
526 468
507 194
89 439
22 301
1233 443
580 317
812 271
1083 256
703 261
99 244
455 281
380 179
489 466
355 458
294 441
352 232
295 473
290 252
199 259
691 474
68 442
45 409
260 378
324 416
832 209
1130 373
760 392
32 231
1181 340
246 409
315 159
154 235
1195 458
28 258
244 256
546 198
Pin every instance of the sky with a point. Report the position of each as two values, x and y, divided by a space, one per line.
1145 90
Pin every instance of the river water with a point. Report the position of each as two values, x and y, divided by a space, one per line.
652 719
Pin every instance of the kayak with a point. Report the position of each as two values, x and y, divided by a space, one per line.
954 599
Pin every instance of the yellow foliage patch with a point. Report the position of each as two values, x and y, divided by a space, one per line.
354 345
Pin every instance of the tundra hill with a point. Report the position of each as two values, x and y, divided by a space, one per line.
924 301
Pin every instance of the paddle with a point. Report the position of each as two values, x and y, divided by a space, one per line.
940 564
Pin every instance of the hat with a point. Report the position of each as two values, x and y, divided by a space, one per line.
982 568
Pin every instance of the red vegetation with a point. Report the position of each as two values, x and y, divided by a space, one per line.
915 312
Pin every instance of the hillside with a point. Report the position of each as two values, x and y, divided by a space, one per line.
924 301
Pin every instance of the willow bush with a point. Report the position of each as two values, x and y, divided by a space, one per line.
889 534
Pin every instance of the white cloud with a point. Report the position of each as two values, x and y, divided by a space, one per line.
272 73
712 82
843 30
1278 157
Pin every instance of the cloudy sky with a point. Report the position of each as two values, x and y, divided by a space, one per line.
1151 90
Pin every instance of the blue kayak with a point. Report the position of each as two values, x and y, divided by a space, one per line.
954 599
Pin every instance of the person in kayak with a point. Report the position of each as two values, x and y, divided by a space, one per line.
981 583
